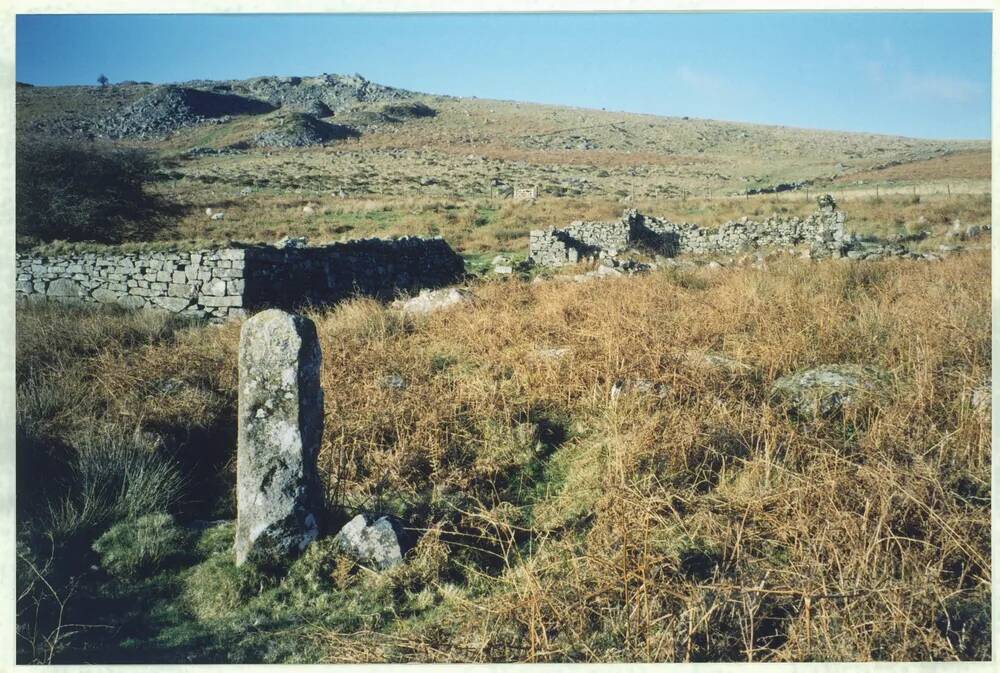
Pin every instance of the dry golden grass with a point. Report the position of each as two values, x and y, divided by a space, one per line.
954 167
562 524
704 526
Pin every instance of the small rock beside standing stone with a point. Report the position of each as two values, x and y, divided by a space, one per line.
393 381
641 387
377 541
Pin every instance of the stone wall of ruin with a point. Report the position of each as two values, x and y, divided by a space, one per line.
822 230
228 282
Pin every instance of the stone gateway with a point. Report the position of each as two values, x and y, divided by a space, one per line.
278 492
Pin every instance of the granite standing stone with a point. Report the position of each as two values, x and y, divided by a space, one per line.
279 500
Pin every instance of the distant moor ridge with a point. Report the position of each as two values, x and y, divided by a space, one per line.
451 141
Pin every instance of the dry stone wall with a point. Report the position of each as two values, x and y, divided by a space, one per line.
823 231
206 282
228 282
556 247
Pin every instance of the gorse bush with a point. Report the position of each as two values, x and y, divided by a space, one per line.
85 191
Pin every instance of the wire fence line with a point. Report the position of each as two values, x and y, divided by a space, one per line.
872 190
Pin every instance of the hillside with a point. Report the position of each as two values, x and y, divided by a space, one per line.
419 143
335 157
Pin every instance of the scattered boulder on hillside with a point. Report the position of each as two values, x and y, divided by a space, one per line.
829 389
429 301
549 353
639 387
289 242
718 362
373 541
872 250
393 381
502 265
301 130
407 110
613 267
981 397
166 109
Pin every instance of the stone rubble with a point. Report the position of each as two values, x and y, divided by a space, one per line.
429 301
823 231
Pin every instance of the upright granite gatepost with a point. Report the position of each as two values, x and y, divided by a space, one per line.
278 495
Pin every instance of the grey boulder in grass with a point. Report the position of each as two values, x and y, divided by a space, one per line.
829 390
278 493
429 301
375 541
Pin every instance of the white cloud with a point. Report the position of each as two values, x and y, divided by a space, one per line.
875 71
939 88
701 81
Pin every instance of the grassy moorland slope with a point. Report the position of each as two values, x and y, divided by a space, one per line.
443 172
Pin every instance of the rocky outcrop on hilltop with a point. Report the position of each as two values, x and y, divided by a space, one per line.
166 109
141 111
320 96
302 130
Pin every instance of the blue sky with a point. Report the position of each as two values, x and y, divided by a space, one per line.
921 75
